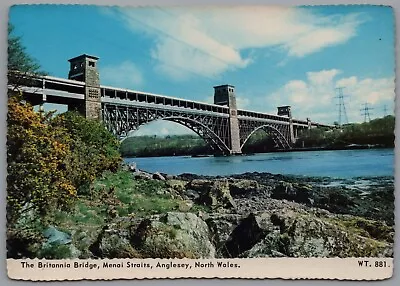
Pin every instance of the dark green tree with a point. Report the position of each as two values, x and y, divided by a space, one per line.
21 66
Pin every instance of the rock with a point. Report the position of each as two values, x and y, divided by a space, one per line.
215 194
169 177
221 227
291 191
74 251
304 235
132 167
203 215
191 194
113 242
82 240
200 185
58 245
177 185
244 236
158 176
185 206
173 235
56 237
243 187
142 175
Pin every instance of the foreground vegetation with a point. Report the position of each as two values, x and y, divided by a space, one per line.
50 161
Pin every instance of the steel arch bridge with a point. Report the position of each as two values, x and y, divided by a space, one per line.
222 125
213 128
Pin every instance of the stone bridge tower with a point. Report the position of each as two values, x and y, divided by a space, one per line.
286 111
225 95
84 68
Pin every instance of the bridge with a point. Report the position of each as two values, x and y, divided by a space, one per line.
222 125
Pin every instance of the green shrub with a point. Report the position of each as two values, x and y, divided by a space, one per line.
55 252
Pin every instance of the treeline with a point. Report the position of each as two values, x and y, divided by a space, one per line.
175 145
184 145
377 133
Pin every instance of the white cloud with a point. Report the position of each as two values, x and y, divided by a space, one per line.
209 41
124 75
315 96
321 37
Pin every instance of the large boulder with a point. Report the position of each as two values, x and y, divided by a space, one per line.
305 235
221 227
137 174
215 194
158 176
177 185
247 233
114 242
300 193
243 187
173 235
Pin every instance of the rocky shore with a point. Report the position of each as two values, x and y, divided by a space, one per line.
248 215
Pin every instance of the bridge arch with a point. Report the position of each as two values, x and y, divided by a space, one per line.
208 135
276 135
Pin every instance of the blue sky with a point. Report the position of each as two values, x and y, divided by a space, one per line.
273 55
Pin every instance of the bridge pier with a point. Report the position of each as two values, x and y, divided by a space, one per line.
286 111
84 68
225 95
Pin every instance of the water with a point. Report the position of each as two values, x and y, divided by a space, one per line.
335 164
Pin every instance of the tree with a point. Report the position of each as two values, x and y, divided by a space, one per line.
37 178
94 148
21 66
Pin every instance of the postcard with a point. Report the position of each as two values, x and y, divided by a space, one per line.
248 141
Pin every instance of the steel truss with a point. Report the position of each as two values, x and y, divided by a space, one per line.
280 133
214 129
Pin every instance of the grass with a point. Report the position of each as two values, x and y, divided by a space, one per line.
127 195
118 192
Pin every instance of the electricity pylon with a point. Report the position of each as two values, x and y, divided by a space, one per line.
365 111
342 106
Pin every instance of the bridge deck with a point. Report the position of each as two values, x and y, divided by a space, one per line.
66 89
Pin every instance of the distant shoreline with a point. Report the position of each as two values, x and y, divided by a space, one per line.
347 147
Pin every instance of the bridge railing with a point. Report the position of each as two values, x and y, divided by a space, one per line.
260 115
47 85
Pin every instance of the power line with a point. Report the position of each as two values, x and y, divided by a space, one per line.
342 106
365 111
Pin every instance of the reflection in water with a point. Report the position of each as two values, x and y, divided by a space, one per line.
338 163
